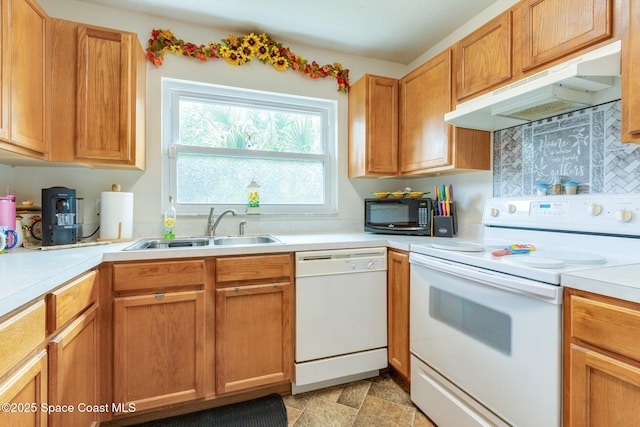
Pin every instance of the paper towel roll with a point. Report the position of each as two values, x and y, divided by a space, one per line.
116 216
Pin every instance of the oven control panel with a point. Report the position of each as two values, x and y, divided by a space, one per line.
590 213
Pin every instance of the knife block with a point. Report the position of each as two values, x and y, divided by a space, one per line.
446 226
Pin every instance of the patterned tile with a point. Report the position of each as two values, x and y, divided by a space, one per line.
354 393
383 413
582 146
325 413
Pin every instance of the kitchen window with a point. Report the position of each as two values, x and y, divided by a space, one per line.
218 139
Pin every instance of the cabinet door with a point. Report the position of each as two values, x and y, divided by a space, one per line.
605 390
158 349
373 127
483 58
425 97
26 77
25 392
20 335
630 81
254 333
73 372
554 28
398 312
5 71
110 97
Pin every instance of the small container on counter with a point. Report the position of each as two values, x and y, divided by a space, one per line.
557 186
8 211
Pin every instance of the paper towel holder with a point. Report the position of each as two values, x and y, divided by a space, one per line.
115 188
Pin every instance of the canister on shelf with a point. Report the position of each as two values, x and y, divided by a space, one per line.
557 186
541 189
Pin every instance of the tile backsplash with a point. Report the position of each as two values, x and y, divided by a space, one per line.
583 146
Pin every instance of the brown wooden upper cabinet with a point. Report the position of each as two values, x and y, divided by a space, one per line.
428 144
552 29
630 82
373 127
25 89
99 80
483 58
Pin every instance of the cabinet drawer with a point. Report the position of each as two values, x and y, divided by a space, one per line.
253 268
71 300
150 275
21 334
612 327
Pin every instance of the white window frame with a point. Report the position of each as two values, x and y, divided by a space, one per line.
174 89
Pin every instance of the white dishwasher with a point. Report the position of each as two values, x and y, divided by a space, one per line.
341 316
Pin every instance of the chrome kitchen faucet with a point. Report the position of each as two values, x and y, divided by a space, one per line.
211 225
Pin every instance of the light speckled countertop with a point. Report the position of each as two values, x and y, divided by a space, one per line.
28 274
621 281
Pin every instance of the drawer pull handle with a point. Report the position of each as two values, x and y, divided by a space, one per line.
159 296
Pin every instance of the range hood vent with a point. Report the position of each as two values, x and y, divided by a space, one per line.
588 80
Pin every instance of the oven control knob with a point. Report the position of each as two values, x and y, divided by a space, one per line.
623 215
594 209
494 212
511 208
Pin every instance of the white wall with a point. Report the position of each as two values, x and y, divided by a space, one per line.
27 182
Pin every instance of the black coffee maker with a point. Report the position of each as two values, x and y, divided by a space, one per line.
59 216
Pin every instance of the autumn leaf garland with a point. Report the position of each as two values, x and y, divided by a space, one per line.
240 50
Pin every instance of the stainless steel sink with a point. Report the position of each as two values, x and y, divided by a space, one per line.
187 242
245 240
193 242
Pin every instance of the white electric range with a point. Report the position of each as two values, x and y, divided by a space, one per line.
486 330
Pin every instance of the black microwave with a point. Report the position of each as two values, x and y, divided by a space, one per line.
398 216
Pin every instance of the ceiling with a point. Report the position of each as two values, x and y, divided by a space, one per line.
397 31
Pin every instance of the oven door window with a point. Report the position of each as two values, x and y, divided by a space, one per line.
485 324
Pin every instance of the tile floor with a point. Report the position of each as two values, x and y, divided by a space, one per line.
379 402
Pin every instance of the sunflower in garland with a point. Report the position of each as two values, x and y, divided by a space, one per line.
251 42
235 58
280 62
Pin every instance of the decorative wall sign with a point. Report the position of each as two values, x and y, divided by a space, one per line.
583 146
240 50
562 154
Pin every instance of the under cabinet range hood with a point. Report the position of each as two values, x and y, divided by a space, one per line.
590 79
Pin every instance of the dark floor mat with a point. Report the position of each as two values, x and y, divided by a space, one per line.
268 411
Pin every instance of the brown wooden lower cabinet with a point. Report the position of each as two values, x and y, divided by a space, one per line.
253 336
158 349
601 361
398 312
73 373
25 392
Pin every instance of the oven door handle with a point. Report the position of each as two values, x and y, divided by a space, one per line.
491 279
